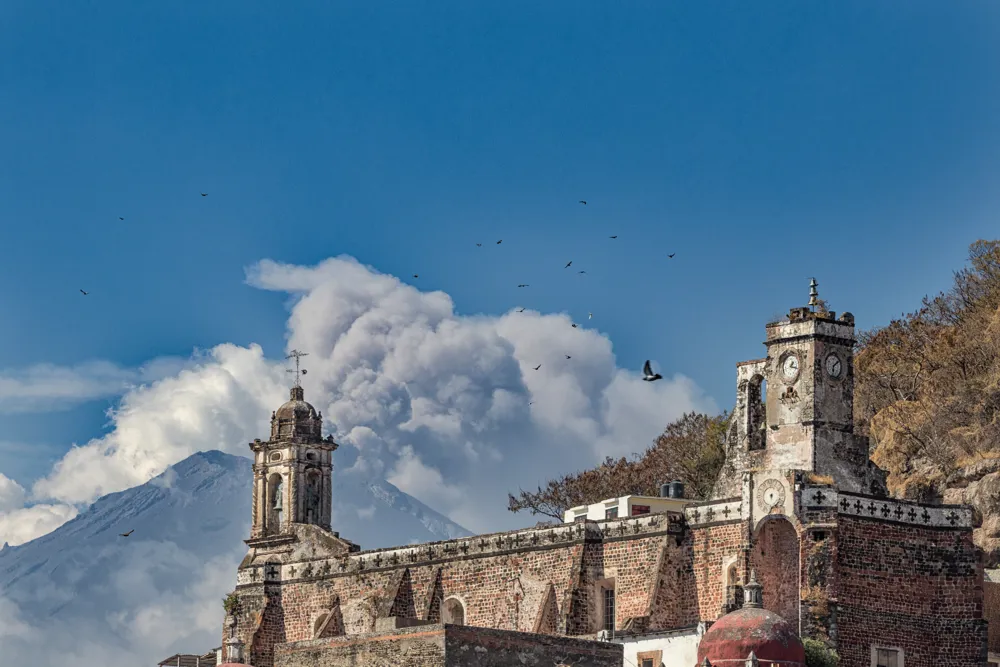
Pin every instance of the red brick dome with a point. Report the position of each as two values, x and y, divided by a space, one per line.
752 629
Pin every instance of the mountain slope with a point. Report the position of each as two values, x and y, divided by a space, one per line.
118 600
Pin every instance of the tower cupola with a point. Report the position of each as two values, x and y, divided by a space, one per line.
292 469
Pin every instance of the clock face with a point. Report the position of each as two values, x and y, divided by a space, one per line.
834 366
770 493
790 367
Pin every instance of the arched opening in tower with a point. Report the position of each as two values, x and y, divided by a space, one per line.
775 557
312 496
756 412
276 503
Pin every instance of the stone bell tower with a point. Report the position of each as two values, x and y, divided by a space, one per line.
292 483
810 398
795 408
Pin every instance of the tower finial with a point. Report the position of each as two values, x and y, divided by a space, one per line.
753 593
298 373
813 294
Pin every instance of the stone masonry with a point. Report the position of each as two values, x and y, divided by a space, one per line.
796 501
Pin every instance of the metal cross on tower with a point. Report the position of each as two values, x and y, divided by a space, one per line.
298 373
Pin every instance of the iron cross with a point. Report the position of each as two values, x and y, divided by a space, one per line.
298 373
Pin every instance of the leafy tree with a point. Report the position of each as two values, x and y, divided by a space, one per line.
819 654
690 449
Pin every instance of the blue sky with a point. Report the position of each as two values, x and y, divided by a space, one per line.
763 143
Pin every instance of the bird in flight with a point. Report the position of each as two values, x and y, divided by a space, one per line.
120 218
568 264
671 255
523 286
127 534
581 271
521 311
590 316
500 241
479 245
538 366
568 357
84 293
574 326
204 194
613 237
583 202
647 373
415 275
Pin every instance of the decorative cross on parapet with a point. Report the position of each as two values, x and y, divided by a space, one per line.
298 373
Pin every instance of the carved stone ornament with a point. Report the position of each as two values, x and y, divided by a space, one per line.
770 493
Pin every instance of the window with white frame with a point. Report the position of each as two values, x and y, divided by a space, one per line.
611 512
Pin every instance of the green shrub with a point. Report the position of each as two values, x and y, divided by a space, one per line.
819 654
230 602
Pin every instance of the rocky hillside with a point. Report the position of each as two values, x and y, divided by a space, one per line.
928 393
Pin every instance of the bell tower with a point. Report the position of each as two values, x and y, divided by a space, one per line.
804 420
292 469
810 401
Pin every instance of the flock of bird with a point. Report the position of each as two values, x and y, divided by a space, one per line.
647 369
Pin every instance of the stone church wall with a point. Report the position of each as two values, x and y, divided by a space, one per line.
527 581
712 548
909 587
410 647
448 646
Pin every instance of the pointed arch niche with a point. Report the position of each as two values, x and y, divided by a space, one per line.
776 557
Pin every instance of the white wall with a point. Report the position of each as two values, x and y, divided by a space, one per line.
679 650
596 511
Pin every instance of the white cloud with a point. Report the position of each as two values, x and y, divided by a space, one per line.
49 387
11 494
434 401
158 601
153 616
20 524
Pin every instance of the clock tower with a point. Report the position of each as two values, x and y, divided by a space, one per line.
804 418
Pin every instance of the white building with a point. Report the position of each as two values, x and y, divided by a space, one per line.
671 498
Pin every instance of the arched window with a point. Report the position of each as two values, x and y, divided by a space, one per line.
276 502
312 496
453 612
756 412
734 590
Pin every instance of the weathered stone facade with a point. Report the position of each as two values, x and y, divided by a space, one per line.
796 502
442 645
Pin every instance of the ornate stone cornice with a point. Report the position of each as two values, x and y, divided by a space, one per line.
728 510
959 517
479 546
